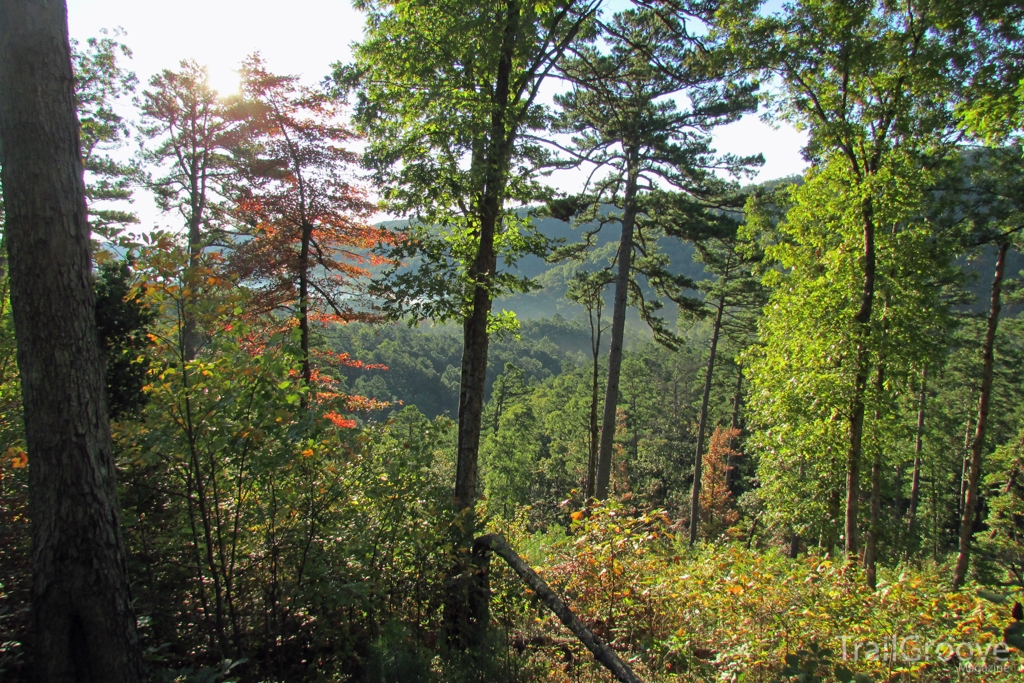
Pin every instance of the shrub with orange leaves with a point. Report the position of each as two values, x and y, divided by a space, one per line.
717 508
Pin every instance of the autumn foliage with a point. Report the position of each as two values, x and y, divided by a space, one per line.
717 510
307 243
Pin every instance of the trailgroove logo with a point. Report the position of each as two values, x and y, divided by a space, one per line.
975 657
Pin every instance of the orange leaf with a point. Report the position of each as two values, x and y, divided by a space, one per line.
19 458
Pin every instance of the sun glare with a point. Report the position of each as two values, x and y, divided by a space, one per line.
225 79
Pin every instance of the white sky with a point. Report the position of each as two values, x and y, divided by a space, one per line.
303 37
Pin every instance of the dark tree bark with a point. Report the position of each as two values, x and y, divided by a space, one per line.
611 393
861 321
978 443
465 615
476 340
81 602
915 480
595 431
698 459
871 549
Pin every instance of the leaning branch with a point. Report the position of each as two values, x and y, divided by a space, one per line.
602 653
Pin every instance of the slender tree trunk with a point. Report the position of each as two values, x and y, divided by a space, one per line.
871 549
915 481
307 371
611 394
474 362
861 322
466 612
595 347
731 474
81 602
698 459
978 444
965 463
190 340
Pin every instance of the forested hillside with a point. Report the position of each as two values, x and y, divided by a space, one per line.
388 404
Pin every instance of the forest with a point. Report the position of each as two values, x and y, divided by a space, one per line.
388 404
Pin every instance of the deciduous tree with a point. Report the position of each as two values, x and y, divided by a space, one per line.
309 240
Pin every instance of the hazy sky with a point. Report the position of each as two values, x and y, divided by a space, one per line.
304 37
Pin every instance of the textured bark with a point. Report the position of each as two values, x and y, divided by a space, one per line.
602 653
978 444
81 603
915 480
698 459
611 393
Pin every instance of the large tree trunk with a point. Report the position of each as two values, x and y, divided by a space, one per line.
698 459
81 602
861 322
611 393
978 444
915 480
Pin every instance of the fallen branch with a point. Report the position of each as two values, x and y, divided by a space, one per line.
602 653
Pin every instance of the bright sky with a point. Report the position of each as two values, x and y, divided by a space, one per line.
303 37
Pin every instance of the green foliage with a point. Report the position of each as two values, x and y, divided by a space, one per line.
122 318
446 122
1003 541
101 86
719 611
802 373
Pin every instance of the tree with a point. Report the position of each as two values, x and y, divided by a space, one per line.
587 289
846 71
994 207
191 135
444 123
122 319
802 373
737 287
623 121
717 508
82 613
445 127
309 237
100 81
